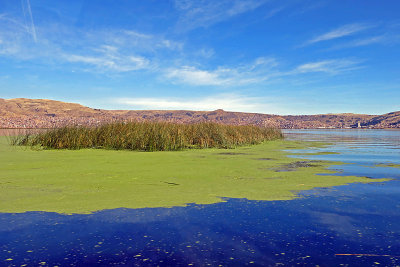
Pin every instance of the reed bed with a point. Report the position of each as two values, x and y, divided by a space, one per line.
149 136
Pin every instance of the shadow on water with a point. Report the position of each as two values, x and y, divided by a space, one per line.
354 225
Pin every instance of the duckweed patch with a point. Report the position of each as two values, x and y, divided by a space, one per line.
232 153
88 180
392 165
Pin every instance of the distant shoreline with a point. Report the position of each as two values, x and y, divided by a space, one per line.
25 113
397 129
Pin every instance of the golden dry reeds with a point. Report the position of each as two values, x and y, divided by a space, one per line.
149 136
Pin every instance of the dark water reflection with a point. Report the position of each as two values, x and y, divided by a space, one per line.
354 219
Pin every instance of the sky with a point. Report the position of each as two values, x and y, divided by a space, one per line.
266 56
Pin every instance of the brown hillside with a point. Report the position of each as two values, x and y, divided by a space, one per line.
43 113
42 107
389 120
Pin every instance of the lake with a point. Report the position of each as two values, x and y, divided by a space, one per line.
351 225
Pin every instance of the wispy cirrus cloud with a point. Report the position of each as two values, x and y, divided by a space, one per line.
368 41
128 50
259 70
345 30
230 102
193 76
14 36
27 10
141 41
333 66
274 11
115 50
122 51
109 59
383 39
204 13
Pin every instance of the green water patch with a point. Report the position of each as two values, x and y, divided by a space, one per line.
392 165
88 180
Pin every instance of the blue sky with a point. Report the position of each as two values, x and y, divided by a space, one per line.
268 56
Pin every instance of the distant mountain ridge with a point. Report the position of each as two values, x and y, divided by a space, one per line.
44 113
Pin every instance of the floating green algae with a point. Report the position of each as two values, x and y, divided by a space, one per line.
392 165
88 180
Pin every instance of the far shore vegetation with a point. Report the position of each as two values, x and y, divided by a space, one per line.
149 136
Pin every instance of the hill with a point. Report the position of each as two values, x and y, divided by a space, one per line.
42 107
44 113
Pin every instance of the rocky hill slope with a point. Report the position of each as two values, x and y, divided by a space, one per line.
44 113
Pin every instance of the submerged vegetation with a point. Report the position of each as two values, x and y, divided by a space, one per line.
149 136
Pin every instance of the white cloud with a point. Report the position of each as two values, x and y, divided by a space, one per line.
141 41
110 60
193 76
333 66
7 49
128 50
14 36
342 31
105 51
205 53
368 41
204 13
385 39
27 10
137 35
274 11
229 102
260 70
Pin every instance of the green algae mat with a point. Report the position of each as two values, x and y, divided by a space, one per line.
392 165
84 181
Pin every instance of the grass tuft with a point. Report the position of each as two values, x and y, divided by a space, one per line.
149 136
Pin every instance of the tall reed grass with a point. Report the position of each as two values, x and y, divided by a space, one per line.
149 136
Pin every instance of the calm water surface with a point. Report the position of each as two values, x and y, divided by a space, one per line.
353 225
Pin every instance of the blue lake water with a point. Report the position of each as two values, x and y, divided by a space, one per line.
352 225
